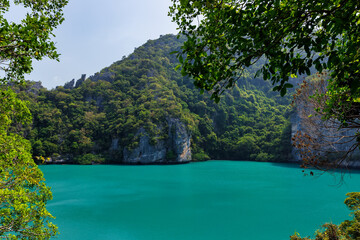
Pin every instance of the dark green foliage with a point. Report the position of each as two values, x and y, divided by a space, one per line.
226 37
170 155
293 36
142 91
29 39
200 156
89 158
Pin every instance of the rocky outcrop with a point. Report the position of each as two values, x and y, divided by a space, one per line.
174 149
329 142
296 126
114 144
105 76
321 143
70 85
80 81
145 153
179 140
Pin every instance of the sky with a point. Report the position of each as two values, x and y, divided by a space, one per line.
97 33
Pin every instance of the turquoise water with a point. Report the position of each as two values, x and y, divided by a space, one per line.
208 200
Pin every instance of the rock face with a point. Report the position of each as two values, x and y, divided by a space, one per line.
114 144
174 149
332 142
179 140
70 84
80 81
321 142
295 127
105 76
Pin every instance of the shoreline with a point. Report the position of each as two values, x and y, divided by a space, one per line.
294 163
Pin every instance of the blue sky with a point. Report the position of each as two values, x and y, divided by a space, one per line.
97 33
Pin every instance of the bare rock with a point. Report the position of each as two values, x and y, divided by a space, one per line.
175 149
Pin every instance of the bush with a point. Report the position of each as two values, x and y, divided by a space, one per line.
89 158
170 155
200 156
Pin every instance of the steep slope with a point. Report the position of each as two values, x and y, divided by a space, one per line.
141 110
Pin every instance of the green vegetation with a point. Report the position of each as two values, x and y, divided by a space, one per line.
89 158
23 193
29 39
224 38
142 91
293 36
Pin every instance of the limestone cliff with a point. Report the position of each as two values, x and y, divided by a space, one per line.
321 142
296 126
174 149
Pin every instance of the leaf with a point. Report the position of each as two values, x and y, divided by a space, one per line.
288 85
283 92
276 88
181 60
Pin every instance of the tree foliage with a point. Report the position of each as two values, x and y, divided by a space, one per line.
224 37
23 193
29 39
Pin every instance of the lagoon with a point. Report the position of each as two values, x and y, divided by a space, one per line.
206 200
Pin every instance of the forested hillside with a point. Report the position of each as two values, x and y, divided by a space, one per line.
100 118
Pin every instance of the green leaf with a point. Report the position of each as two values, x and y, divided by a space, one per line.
276 88
288 85
282 92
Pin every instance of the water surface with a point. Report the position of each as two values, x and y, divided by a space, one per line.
208 200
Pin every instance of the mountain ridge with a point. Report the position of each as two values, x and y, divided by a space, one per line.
143 91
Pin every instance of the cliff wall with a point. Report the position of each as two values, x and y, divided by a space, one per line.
174 149
326 140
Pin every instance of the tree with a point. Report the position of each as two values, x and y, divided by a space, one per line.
225 37
30 39
23 193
